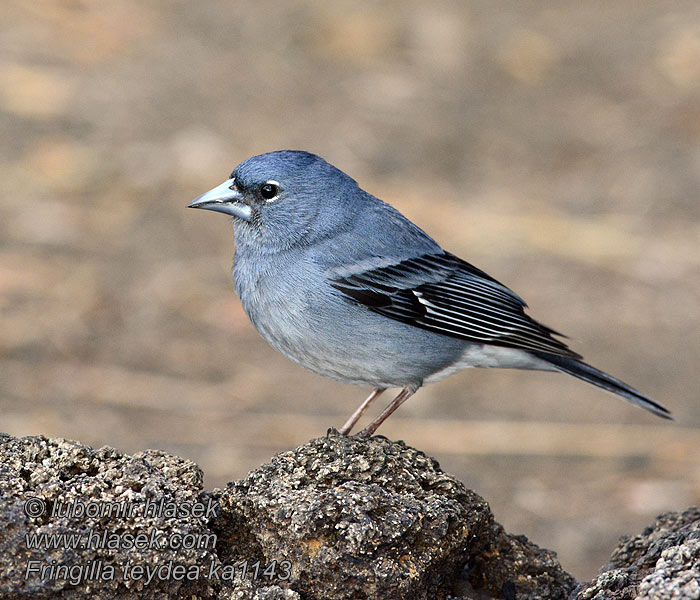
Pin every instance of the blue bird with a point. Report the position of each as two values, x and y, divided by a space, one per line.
346 286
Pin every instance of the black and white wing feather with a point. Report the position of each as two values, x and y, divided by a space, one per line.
446 295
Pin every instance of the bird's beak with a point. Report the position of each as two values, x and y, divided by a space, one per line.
224 198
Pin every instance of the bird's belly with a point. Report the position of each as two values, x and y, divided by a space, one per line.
339 339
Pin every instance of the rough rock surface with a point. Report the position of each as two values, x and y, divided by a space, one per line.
377 519
661 563
335 518
53 486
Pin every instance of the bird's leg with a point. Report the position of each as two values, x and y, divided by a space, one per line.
355 417
403 395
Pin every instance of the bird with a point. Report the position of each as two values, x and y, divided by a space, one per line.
346 286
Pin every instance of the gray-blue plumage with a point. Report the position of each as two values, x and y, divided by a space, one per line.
345 285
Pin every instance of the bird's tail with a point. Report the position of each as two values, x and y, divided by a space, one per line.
603 380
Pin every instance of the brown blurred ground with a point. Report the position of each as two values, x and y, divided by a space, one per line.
556 147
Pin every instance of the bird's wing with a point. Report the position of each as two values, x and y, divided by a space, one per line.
446 295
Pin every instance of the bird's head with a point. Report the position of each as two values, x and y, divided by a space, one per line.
284 198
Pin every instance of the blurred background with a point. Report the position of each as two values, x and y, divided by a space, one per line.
555 145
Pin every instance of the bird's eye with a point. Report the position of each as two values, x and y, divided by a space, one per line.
269 190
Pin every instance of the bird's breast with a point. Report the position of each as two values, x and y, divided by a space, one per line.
299 313
277 295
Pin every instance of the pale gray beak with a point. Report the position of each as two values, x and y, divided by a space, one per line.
224 198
